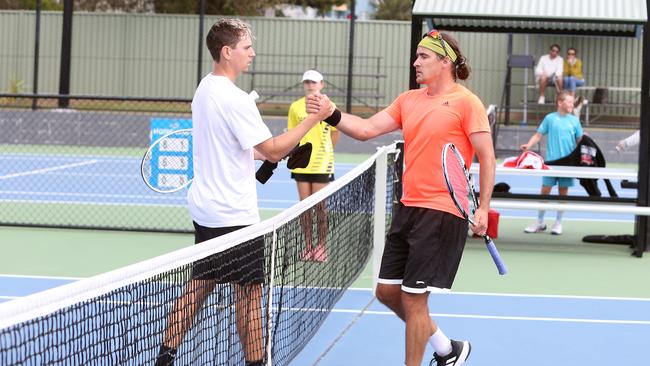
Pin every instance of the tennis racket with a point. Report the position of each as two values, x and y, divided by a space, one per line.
462 193
166 167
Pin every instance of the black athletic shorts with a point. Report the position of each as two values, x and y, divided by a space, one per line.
423 249
242 264
313 178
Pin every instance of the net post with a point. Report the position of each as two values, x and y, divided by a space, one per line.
269 303
379 227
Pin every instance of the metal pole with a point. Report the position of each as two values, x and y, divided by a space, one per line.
37 36
524 121
199 69
416 34
508 82
66 51
348 105
642 227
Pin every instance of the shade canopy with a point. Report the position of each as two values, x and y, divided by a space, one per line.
585 17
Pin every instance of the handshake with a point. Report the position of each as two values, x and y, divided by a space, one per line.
300 155
298 158
316 102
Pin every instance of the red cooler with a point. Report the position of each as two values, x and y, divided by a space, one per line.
493 224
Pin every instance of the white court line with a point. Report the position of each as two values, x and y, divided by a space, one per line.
98 195
37 277
503 317
182 204
579 218
363 289
505 294
463 316
182 198
41 171
444 315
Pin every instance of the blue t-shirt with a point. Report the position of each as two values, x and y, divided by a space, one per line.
563 131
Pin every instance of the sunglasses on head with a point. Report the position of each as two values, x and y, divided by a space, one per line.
435 34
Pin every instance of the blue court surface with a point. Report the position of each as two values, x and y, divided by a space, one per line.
104 180
504 329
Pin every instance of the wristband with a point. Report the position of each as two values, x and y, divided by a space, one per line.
334 118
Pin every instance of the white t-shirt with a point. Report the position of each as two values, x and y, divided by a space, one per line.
547 66
226 125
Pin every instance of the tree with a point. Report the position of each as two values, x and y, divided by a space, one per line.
30 5
216 7
129 6
323 6
392 9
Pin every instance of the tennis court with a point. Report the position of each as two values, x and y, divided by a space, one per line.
562 297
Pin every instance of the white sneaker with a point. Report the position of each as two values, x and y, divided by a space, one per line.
556 229
541 100
536 227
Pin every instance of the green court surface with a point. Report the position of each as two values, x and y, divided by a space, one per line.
538 263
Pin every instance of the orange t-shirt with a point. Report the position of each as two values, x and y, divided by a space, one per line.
428 123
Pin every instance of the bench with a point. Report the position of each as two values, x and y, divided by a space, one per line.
593 103
295 89
515 201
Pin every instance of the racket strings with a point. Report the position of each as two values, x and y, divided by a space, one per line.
458 181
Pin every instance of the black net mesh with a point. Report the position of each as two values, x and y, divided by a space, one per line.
216 303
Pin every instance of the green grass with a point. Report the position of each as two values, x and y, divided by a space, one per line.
537 263
72 150
552 265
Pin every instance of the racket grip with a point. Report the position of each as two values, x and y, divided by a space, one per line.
265 171
496 257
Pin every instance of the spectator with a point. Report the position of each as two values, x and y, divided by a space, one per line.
549 71
564 132
573 78
320 170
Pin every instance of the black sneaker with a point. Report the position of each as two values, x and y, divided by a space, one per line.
459 353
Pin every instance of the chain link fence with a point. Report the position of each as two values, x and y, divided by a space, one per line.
80 166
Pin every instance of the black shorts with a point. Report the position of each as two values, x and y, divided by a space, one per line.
242 264
313 178
423 249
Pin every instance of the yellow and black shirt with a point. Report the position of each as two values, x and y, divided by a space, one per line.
322 154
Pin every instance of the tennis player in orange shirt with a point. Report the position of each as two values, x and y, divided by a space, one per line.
427 236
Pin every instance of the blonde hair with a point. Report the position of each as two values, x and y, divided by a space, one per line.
562 95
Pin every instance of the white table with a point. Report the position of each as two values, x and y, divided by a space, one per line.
566 172
564 205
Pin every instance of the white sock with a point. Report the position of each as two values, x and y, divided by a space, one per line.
440 343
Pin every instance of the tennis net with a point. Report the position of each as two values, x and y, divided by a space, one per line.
285 288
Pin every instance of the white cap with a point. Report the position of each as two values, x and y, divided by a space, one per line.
312 75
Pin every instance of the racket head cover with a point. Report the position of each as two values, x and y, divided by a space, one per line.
166 166
299 156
